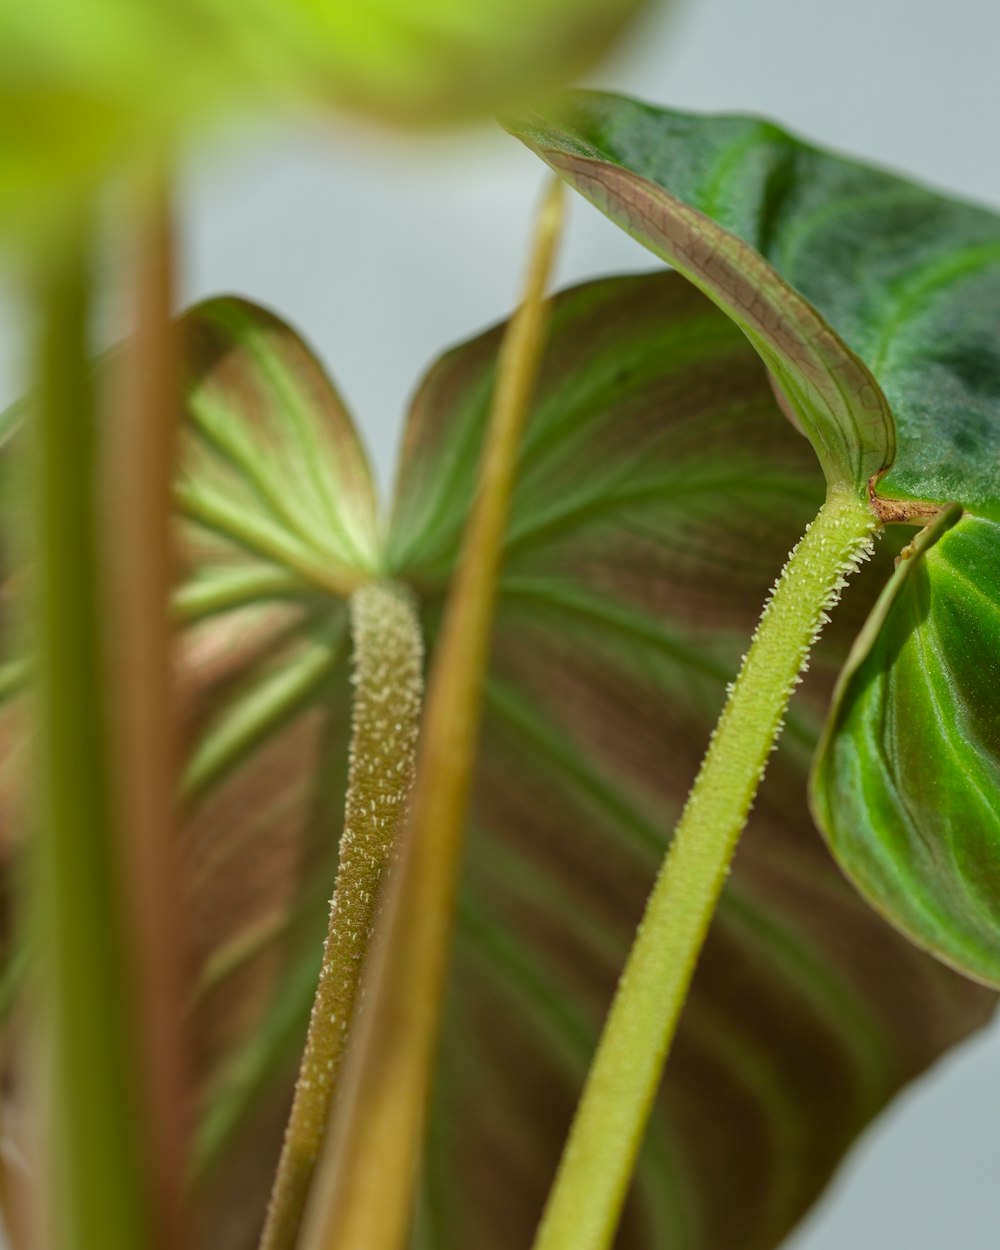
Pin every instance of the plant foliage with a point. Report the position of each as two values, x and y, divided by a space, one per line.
660 486
907 788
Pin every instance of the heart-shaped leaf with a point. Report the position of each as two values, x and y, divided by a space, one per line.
910 281
658 493
278 525
660 489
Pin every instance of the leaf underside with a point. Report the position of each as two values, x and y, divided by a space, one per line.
908 278
832 396
274 493
659 491
277 516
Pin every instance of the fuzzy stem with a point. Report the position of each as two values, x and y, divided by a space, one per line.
593 1177
363 1196
388 656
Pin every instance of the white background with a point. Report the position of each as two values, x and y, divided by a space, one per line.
383 254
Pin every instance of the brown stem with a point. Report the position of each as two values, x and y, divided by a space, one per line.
139 472
901 511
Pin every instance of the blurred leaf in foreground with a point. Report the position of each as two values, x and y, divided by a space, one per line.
89 91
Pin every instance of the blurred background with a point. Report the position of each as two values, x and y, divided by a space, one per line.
383 253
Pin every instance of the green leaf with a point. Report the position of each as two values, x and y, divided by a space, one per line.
89 92
716 198
278 523
435 60
659 491
274 481
276 509
907 780
910 280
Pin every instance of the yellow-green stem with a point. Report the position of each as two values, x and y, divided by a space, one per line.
362 1199
388 681
593 1177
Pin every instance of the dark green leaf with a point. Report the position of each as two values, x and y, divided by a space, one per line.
909 279
706 195
907 781
911 282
